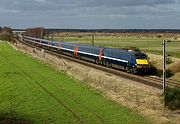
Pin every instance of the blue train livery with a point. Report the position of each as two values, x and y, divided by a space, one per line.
128 60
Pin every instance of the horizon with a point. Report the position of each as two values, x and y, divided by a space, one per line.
110 30
100 28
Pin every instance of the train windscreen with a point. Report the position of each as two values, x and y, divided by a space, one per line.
140 56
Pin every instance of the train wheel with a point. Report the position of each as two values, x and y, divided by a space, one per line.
109 65
79 57
128 70
103 63
60 52
97 61
134 70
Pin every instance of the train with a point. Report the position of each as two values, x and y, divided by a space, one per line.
127 60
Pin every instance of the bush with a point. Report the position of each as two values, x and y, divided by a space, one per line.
172 98
152 69
159 72
159 36
176 67
169 73
168 60
6 36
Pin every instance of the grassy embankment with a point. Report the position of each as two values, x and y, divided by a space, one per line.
36 92
145 44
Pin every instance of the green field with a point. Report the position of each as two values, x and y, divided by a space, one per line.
36 92
145 44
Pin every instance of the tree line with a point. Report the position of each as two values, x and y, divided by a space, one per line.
38 32
6 33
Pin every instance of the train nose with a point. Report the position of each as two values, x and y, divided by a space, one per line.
142 63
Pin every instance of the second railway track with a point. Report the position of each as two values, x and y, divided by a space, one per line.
155 82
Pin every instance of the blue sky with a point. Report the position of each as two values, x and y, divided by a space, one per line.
91 14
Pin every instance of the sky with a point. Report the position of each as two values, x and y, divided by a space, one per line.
91 14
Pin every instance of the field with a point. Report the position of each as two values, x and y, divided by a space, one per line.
145 44
36 92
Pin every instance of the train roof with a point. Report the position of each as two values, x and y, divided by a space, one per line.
80 45
88 46
98 47
116 50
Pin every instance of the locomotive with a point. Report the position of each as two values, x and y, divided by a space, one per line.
128 60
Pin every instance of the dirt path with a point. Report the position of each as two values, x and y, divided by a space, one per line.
146 100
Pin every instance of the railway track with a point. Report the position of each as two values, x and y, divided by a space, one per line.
155 82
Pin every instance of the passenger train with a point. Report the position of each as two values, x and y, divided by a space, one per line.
128 60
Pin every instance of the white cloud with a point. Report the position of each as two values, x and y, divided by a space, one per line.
15 11
2 10
40 1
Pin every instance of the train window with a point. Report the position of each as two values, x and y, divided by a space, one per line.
141 56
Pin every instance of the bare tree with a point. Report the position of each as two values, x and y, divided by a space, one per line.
7 29
37 32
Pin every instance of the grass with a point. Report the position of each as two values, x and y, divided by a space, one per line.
40 94
172 98
146 44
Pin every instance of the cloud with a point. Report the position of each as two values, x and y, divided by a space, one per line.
91 11
40 1
6 11
51 5
121 3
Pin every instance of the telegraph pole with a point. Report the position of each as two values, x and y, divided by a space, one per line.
52 37
92 39
164 66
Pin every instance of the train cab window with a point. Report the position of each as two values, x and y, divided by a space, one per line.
141 56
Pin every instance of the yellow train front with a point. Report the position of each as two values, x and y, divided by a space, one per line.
142 64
